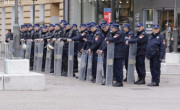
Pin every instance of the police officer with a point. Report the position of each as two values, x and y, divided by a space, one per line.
23 33
103 49
155 53
141 39
51 32
37 32
31 38
64 38
128 35
45 36
95 43
9 36
75 32
119 53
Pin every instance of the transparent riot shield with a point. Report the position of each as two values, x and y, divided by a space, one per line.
58 52
40 56
131 62
6 50
110 63
83 65
70 59
1 50
23 49
28 49
89 67
36 44
99 74
48 61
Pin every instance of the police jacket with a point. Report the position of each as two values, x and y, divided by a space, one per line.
96 41
50 34
57 34
37 34
30 34
80 40
67 34
155 46
128 35
119 51
141 39
23 35
103 46
9 36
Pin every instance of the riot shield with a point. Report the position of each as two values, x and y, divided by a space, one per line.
110 63
28 49
99 74
36 45
40 56
48 61
131 62
70 59
23 49
1 50
89 67
58 52
83 65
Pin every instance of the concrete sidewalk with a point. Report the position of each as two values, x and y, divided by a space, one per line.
64 93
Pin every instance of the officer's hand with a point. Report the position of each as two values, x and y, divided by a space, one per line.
85 39
107 42
69 40
22 39
8 39
53 39
59 39
127 43
83 34
100 52
48 40
81 50
141 36
30 40
89 50
160 59
40 40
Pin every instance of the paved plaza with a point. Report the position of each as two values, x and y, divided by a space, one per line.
64 93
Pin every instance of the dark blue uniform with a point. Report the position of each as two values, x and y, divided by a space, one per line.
103 47
30 35
95 43
141 50
50 36
119 54
72 35
128 35
9 36
155 51
44 35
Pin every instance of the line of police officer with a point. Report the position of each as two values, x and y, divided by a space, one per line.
95 38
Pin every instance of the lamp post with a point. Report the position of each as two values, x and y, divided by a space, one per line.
34 11
175 32
16 33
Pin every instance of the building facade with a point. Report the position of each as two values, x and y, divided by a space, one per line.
46 11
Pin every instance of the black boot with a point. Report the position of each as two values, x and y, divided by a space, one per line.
153 84
140 81
93 80
125 80
118 84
